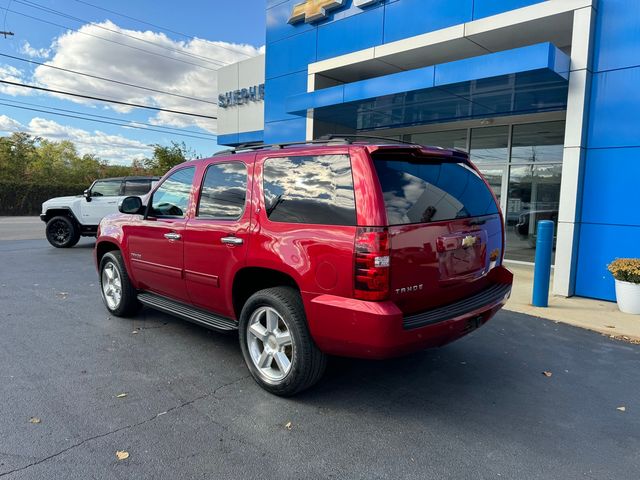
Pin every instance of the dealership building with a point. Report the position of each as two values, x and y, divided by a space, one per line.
544 95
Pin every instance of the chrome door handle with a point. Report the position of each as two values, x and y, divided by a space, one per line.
232 240
172 236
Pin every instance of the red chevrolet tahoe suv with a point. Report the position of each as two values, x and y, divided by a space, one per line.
339 248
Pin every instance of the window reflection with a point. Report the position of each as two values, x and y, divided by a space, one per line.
537 142
172 197
309 189
106 188
490 144
422 193
534 193
445 139
223 191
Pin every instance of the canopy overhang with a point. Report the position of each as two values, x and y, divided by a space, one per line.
529 79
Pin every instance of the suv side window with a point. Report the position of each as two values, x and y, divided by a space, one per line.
137 186
106 188
171 199
309 189
224 191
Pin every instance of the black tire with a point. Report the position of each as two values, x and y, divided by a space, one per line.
307 363
62 232
128 304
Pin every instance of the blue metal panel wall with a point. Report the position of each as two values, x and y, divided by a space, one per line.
290 48
486 8
406 18
610 216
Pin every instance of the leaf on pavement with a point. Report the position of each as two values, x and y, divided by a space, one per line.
547 374
121 395
288 425
34 420
622 409
122 455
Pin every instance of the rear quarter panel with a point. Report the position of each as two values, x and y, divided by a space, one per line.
318 257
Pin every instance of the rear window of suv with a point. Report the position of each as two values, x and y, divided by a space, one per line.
315 189
429 190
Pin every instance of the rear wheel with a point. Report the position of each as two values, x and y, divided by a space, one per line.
118 293
62 232
276 343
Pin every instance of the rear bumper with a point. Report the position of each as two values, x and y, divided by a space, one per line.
355 328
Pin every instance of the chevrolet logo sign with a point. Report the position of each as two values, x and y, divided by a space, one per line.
312 10
468 241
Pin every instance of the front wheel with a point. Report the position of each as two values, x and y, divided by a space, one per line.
62 232
276 344
118 293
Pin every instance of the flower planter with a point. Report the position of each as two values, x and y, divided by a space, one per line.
628 297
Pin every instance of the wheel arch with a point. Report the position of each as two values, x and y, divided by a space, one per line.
249 280
103 247
60 211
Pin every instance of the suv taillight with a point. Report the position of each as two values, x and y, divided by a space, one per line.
372 263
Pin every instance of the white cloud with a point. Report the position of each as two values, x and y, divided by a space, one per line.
168 70
113 148
8 124
12 74
32 52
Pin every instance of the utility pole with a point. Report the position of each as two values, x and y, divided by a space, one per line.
2 32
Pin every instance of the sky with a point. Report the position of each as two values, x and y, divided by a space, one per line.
173 48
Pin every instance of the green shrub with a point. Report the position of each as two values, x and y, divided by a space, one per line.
21 198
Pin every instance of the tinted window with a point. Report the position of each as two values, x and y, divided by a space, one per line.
310 189
171 199
136 187
432 192
223 191
106 188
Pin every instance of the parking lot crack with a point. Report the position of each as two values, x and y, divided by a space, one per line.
125 427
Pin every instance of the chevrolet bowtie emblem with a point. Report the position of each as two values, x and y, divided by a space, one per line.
312 10
468 241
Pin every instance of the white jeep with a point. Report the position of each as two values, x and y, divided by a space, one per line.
69 218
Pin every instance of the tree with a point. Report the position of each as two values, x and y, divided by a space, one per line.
17 153
165 158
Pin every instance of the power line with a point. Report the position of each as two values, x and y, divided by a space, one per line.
125 122
97 121
107 79
158 26
100 99
37 6
108 40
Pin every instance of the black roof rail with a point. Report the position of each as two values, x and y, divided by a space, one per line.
346 139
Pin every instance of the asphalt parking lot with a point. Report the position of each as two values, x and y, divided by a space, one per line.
479 408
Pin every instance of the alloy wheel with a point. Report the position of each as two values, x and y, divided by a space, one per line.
270 344
60 231
111 285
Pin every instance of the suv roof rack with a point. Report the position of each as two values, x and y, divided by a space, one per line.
331 139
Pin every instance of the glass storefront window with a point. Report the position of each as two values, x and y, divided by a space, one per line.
494 178
490 144
537 142
445 139
534 193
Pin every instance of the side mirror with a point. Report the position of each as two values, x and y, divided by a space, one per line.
87 194
130 205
